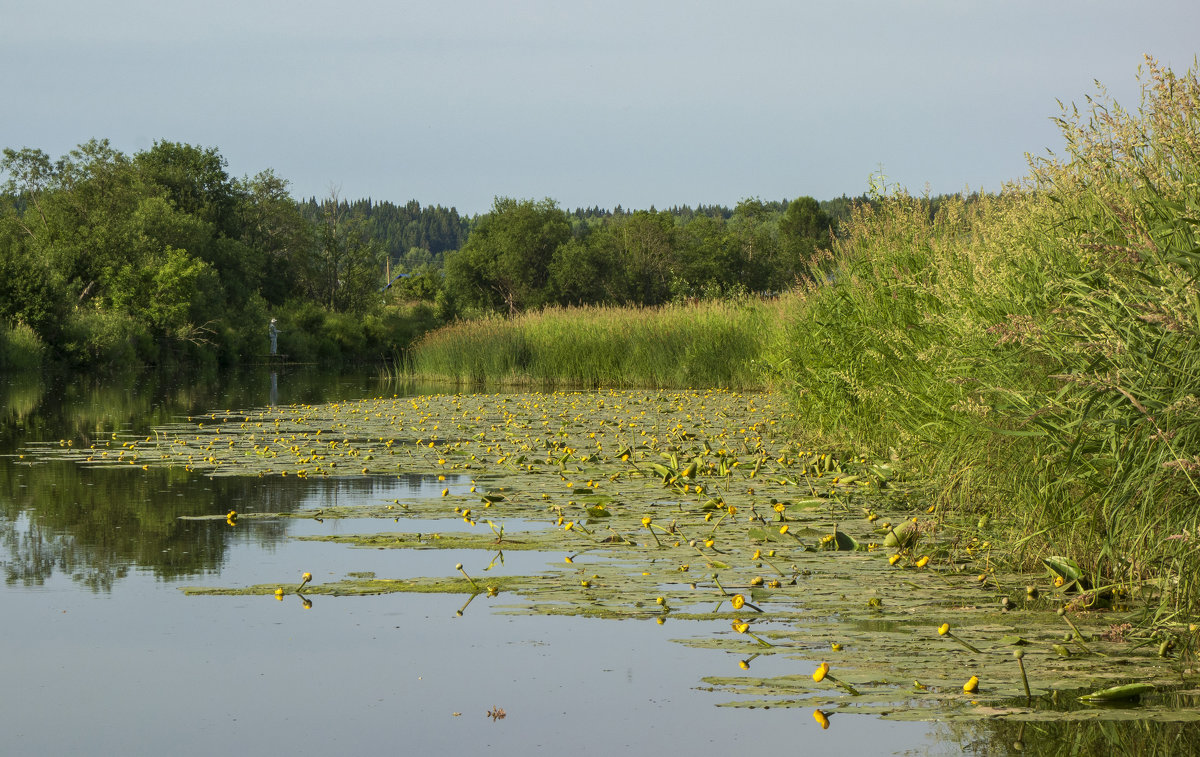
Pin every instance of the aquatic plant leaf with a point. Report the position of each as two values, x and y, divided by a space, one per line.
901 535
844 542
1119 693
1063 567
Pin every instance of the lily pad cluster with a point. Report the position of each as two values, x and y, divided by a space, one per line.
694 506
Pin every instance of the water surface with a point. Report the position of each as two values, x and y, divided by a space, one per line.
106 655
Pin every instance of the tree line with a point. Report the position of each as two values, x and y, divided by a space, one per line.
163 257
527 254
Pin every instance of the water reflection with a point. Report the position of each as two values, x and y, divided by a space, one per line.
1095 736
95 524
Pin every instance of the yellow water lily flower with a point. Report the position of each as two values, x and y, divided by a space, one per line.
972 685
738 601
741 626
923 561
943 629
820 673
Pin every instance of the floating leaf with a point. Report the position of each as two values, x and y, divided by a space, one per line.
1119 693
843 542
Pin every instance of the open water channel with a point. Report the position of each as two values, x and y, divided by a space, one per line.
104 654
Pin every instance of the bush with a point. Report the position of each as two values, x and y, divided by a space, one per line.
20 348
106 338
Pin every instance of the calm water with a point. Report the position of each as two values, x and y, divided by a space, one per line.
104 654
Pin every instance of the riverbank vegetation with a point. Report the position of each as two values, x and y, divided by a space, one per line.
1033 354
709 343
108 260
1036 353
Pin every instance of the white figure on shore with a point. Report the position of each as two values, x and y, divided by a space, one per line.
273 332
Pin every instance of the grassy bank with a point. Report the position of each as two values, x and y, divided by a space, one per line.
1036 353
702 344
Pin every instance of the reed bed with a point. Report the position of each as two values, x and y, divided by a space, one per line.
1036 353
711 343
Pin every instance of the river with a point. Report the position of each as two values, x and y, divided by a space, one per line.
106 655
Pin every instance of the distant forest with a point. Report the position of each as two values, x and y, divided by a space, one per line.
410 235
413 236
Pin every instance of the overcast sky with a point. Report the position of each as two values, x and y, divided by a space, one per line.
632 103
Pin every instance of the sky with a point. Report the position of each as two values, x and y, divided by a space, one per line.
636 104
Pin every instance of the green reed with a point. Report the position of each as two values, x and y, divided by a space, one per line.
714 343
1036 353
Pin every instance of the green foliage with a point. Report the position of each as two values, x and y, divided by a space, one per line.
346 271
506 260
410 235
802 230
163 258
194 181
707 344
20 348
1038 347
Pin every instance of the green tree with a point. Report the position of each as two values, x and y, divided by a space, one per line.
272 224
195 181
708 257
803 230
585 271
645 244
347 270
505 263
755 231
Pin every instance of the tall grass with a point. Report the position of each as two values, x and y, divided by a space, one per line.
1037 353
702 344
20 348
